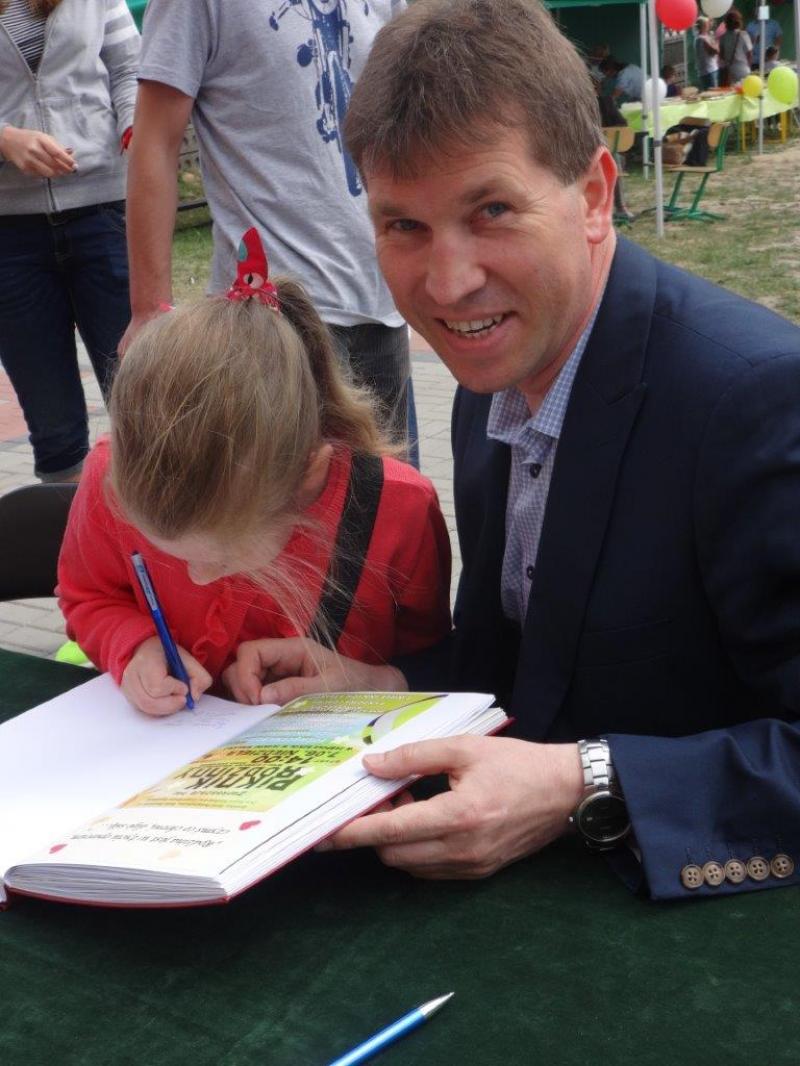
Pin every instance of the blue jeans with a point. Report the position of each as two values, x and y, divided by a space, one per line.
378 356
709 81
58 272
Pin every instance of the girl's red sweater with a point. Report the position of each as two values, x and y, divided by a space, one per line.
402 603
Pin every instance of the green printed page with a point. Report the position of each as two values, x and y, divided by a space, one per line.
286 752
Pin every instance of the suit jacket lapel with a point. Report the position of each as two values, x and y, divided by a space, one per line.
605 399
481 469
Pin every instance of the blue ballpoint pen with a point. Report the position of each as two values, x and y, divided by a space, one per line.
392 1032
174 661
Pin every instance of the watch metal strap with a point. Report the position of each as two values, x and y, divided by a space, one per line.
598 770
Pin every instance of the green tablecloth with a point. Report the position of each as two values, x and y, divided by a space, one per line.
552 962
731 108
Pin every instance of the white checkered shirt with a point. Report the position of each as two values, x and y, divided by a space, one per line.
533 440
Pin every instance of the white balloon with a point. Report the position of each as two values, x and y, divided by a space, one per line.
647 94
715 9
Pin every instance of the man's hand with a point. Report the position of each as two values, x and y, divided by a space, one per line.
507 799
160 121
135 324
149 687
277 671
36 153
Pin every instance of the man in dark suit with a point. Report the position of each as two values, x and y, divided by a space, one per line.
627 485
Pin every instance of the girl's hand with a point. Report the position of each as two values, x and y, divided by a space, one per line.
277 670
149 687
36 153
244 677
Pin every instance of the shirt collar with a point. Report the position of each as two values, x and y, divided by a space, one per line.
509 415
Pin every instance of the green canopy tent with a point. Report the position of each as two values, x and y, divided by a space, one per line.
648 34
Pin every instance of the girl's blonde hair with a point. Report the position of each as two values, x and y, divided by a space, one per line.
217 408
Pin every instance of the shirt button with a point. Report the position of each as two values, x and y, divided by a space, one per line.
782 866
529 572
535 469
691 876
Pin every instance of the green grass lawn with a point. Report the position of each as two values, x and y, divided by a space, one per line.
754 251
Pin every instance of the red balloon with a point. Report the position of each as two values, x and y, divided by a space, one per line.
677 14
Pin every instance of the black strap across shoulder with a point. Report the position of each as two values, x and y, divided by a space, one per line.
350 551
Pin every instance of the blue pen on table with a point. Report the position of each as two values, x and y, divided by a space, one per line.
174 661
392 1032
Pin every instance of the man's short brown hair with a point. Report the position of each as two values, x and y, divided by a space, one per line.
445 72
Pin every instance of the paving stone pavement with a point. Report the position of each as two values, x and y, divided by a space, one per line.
36 626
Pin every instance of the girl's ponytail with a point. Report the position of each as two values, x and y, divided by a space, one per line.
347 412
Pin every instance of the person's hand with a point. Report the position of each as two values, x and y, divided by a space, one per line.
149 687
139 319
36 153
278 670
507 799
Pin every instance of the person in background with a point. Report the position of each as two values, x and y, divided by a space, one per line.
773 37
597 53
669 76
735 50
611 117
770 59
267 86
257 487
706 53
67 93
628 79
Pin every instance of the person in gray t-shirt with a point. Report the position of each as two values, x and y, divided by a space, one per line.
266 84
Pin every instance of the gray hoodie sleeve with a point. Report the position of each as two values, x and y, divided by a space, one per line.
120 54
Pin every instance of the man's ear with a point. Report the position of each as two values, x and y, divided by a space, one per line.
597 189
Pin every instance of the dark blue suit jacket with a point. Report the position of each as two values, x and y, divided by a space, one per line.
665 608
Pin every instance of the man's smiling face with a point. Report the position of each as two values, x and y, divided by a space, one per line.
492 259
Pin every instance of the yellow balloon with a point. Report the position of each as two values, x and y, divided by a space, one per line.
782 84
752 85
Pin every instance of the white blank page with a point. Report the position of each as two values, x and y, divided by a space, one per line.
70 759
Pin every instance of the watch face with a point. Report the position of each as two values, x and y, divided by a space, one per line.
603 818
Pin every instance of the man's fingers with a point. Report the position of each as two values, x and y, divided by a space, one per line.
406 824
422 758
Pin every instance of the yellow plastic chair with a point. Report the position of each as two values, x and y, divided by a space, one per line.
717 139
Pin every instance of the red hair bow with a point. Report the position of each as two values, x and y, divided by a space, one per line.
252 273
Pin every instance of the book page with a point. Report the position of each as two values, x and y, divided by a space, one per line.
223 802
76 756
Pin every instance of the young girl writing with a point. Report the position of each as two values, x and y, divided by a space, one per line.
253 481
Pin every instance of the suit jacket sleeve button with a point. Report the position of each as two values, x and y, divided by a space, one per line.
758 868
782 866
691 876
713 873
735 871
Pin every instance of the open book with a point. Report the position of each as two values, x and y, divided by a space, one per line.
102 804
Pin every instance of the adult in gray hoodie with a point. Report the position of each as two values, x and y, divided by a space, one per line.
67 93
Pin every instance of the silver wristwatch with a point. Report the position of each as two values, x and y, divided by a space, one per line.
601 817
